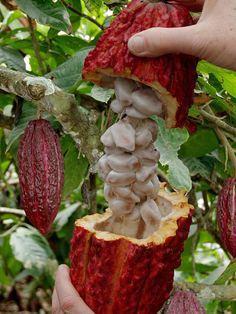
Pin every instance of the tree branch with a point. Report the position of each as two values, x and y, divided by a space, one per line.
68 6
209 292
48 97
35 45
218 122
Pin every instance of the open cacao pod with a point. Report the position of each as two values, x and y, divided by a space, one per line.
41 174
116 266
226 215
127 274
172 76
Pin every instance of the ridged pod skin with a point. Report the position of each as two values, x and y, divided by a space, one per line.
115 274
172 76
226 215
41 174
185 302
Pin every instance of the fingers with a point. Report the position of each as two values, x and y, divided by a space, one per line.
65 298
158 41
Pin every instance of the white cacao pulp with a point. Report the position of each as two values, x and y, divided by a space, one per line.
129 164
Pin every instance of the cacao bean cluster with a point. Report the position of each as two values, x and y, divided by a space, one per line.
129 164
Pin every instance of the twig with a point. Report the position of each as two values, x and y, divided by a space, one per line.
209 292
6 122
36 46
82 15
48 97
227 146
6 210
218 122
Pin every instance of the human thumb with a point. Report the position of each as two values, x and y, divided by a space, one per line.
158 41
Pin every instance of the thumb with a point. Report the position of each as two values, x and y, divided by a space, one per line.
158 41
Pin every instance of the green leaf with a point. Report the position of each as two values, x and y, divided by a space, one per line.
68 74
227 274
29 112
64 215
199 144
12 58
168 143
75 166
227 78
202 166
31 248
47 12
101 94
69 44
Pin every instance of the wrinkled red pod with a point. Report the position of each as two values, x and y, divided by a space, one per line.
41 174
226 215
185 302
118 274
171 76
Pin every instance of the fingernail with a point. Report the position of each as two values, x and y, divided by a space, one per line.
136 44
63 268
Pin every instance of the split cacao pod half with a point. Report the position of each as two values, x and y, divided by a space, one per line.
121 274
41 174
185 302
226 215
171 76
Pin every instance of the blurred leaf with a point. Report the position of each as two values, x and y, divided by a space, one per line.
168 143
69 74
64 215
31 248
47 12
75 166
101 94
12 58
199 144
202 166
70 44
227 274
29 112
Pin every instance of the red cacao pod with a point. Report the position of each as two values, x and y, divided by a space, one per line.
128 275
226 215
172 76
185 302
41 173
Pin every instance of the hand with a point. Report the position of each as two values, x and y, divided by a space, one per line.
213 38
65 298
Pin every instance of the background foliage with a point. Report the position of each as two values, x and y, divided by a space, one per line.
51 39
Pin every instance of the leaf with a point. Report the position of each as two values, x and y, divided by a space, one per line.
75 166
31 248
202 166
69 73
227 78
29 112
199 144
101 94
47 12
227 274
12 58
168 143
64 215
70 44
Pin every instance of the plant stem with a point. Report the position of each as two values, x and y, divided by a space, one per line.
89 18
36 46
6 210
218 122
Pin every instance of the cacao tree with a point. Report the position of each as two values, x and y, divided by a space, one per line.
43 45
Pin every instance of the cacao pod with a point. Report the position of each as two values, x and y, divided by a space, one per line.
226 215
172 76
115 273
185 302
41 174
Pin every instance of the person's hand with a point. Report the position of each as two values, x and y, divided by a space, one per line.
65 298
213 38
